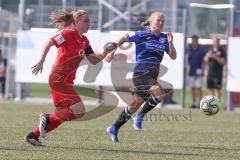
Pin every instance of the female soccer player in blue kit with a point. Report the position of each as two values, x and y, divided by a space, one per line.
151 44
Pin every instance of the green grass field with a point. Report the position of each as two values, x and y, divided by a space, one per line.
180 134
42 90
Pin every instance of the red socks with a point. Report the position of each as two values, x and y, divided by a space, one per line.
54 122
55 119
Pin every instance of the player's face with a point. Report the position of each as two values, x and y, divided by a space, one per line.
83 23
194 42
157 23
216 42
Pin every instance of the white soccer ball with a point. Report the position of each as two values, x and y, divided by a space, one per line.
209 105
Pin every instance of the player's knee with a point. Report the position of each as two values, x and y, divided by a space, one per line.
66 115
135 104
132 102
158 92
132 106
155 89
69 114
161 96
80 114
78 108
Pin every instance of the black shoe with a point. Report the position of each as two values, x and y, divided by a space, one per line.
30 138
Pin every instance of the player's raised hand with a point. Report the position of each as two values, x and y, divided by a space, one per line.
110 47
170 37
110 56
37 68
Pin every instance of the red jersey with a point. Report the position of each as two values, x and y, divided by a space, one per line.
70 46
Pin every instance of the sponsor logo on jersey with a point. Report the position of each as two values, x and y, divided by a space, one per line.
59 39
156 46
162 40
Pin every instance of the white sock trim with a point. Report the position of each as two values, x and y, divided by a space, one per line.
127 112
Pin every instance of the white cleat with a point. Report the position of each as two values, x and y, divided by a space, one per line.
43 123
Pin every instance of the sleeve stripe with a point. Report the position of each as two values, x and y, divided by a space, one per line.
89 50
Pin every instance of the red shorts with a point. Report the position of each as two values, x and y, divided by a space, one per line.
63 92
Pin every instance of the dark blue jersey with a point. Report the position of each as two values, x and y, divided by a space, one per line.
150 48
195 60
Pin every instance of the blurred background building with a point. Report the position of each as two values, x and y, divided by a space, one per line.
126 14
108 15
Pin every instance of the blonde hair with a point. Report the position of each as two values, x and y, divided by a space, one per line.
62 19
146 23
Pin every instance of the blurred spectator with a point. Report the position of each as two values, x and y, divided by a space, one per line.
216 58
196 70
3 69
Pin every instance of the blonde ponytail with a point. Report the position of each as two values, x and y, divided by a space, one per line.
145 24
61 19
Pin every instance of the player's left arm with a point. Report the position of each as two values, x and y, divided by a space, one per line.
172 51
94 58
220 59
38 67
119 42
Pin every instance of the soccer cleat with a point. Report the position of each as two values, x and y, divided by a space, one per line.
44 121
113 132
31 139
137 122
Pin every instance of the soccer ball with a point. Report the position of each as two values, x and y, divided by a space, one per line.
209 105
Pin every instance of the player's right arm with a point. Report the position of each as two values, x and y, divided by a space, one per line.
123 39
119 42
39 66
172 51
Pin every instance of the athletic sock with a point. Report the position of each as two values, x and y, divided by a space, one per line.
149 105
36 132
123 118
54 122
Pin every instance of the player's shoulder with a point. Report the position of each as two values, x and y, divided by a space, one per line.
222 51
143 32
162 38
162 34
84 37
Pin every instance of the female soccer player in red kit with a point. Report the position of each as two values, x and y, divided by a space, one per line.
72 46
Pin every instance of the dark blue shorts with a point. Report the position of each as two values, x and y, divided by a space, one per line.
143 80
